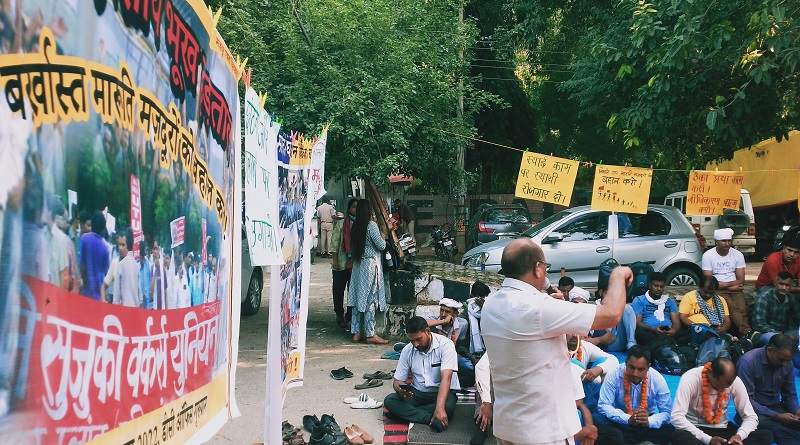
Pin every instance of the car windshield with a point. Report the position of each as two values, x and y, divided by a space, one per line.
507 216
535 230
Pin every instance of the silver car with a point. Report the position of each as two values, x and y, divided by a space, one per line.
579 239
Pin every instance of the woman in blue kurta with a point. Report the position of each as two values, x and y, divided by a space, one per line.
367 292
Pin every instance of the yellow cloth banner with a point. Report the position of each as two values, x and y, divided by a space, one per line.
621 189
711 192
546 178
768 179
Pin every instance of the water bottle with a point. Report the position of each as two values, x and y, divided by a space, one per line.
388 257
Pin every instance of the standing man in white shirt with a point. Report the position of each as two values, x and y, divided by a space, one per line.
325 215
713 385
727 265
525 335
432 361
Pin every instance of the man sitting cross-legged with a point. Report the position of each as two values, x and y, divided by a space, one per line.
432 361
619 338
594 363
701 404
635 398
656 313
768 375
776 309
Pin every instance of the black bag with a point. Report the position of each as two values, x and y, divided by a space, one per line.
390 257
712 348
604 273
667 358
641 279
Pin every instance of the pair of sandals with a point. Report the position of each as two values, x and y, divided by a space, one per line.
292 435
341 373
362 401
375 379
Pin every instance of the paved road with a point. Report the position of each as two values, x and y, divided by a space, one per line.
328 347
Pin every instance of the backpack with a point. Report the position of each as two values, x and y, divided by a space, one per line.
604 273
641 279
668 358
712 348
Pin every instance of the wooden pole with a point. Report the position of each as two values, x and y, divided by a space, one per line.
374 198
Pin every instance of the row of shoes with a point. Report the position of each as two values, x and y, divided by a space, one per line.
325 431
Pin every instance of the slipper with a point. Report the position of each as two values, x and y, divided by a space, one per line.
380 375
366 437
345 372
369 383
391 355
353 399
370 403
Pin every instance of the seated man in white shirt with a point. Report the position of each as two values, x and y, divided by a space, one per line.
571 292
594 364
457 329
432 362
701 405
477 296
635 399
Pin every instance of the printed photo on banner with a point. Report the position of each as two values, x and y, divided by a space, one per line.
119 149
546 178
261 183
621 189
711 192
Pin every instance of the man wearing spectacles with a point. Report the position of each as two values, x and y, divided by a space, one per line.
525 334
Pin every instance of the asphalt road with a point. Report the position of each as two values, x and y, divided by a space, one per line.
328 347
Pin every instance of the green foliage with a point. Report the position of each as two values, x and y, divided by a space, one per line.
381 71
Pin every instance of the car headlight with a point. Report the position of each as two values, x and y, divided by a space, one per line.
473 261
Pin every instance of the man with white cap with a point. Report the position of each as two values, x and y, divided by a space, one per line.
726 264
451 326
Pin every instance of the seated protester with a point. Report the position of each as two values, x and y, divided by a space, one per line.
704 307
477 296
701 404
776 310
483 401
656 313
450 325
594 363
784 261
635 399
566 286
590 434
432 361
620 338
768 376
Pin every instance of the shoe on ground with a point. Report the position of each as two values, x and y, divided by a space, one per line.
337 374
369 383
376 340
353 437
380 375
325 435
391 355
353 399
437 426
366 437
398 347
311 422
370 403
328 420
479 437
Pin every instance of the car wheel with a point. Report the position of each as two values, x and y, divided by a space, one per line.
681 276
252 301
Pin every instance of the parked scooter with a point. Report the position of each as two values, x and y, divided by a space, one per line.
790 229
408 245
443 243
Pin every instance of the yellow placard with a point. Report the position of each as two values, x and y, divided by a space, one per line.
621 189
711 192
546 178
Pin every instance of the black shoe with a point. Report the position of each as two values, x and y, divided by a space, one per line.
328 420
311 422
346 372
479 437
325 435
337 374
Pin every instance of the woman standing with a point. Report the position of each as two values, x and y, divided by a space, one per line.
367 291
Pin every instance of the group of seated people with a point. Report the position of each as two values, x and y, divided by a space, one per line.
631 402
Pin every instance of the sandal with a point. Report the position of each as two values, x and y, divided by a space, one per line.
366 437
353 399
369 383
380 375
297 440
370 403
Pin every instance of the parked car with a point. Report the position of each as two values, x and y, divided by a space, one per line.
742 222
497 221
252 280
579 239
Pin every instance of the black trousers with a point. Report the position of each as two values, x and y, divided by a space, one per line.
420 407
341 279
760 436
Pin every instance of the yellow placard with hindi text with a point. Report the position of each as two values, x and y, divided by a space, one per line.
621 189
546 178
709 193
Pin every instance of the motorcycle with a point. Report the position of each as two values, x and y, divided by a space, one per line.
790 229
408 245
443 243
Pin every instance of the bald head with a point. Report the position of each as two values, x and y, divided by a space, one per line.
520 259
723 373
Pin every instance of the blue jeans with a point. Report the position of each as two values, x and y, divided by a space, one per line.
625 332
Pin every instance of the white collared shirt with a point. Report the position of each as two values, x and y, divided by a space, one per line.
426 367
524 331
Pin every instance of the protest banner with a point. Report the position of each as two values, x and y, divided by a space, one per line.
546 178
177 229
261 183
316 188
710 192
127 111
621 189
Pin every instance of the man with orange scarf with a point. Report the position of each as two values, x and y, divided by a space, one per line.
635 398
701 404
342 264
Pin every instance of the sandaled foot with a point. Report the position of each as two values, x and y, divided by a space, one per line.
375 340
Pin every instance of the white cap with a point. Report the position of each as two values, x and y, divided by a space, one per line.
579 292
723 234
449 302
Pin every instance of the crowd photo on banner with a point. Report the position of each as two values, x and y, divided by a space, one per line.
120 136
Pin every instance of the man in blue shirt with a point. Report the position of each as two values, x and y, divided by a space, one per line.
768 375
656 313
621 403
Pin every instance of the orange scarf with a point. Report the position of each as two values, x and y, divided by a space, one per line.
626 384
578 352
712 418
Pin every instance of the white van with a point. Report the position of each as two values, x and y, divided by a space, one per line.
743 222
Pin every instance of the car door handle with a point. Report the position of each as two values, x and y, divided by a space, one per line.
602 249
670 244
